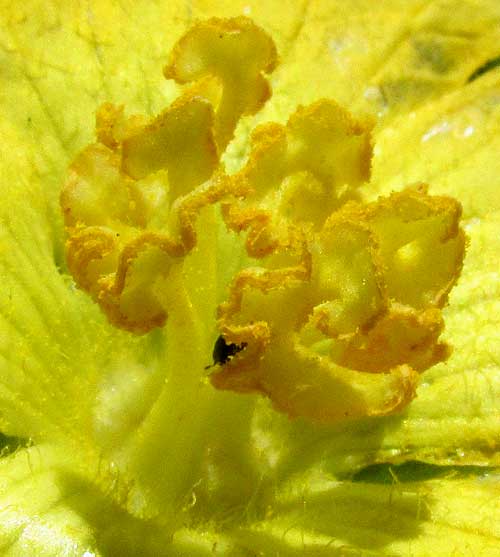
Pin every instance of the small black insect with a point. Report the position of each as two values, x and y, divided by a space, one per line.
223 352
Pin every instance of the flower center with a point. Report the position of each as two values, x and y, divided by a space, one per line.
339 307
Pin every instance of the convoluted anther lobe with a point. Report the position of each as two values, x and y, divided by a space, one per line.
226 59
298 174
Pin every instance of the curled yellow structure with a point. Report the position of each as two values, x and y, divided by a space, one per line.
341 308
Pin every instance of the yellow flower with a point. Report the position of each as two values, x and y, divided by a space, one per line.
131 451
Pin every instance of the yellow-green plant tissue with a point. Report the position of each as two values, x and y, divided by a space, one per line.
249 278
